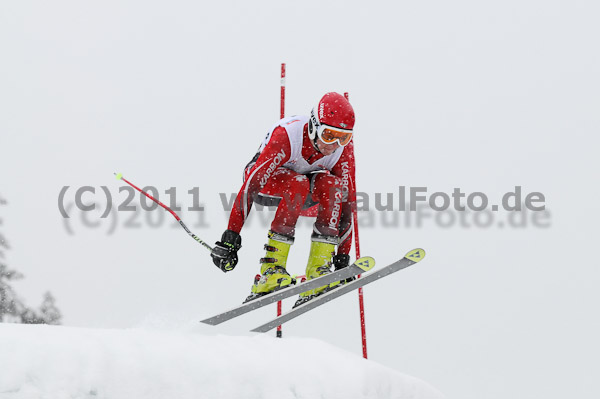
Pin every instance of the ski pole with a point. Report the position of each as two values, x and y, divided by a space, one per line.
119 176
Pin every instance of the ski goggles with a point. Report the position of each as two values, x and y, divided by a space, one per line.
330 135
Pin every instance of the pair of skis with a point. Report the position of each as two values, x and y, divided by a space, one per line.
361 265
358 267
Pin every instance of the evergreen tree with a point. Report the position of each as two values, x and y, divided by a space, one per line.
10 305
12 309
48 311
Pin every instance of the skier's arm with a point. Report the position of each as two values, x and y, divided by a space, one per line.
276 153
345 168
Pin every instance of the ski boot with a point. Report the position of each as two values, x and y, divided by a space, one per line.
322 249
273 275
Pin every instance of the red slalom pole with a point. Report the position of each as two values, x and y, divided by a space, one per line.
279 333
282 110
361 301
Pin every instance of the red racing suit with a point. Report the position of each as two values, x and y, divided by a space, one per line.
289 172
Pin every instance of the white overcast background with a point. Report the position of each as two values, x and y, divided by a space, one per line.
478 95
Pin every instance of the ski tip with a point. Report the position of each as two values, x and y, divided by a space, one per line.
365 262
119 176
415 255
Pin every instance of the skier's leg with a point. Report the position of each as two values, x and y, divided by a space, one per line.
334 218
327 191
342 259
292 189
345 229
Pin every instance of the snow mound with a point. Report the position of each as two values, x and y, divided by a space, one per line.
64 362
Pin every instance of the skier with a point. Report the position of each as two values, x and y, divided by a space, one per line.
303 161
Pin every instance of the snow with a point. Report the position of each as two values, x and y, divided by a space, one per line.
38 361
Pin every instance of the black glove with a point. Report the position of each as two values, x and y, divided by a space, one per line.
341 261
224 253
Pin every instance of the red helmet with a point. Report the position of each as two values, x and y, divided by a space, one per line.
334 111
